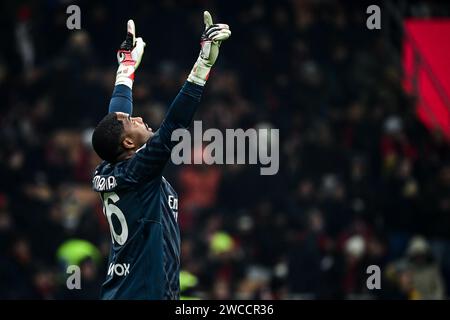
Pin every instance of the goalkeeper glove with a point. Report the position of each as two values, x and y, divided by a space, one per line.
210 42
129 56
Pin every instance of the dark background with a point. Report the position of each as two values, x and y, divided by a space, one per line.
361 180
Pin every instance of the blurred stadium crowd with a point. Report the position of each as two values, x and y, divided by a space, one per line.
361 181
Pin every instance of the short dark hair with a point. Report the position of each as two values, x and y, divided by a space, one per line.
107 138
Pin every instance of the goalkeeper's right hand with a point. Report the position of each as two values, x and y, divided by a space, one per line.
129 56
210 42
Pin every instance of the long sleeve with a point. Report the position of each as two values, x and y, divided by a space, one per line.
121 100
181 111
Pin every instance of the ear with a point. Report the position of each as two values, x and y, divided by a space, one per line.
128 143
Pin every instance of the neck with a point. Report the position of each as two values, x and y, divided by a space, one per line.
126 155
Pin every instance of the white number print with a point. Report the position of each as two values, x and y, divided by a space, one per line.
112 209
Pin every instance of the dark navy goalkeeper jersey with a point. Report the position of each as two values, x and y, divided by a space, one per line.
142 210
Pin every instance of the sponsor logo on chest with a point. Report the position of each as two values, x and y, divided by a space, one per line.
119 269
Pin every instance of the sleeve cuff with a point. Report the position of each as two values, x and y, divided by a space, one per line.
193 90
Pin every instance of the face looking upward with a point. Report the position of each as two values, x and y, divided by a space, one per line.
135 131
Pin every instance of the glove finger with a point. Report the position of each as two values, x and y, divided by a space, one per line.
131 30
221 35
138 49
212 29
207 19
215 31
216 26
140 43
222 25
120 56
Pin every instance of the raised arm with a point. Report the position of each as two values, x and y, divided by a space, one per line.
151 158
183 107
129 57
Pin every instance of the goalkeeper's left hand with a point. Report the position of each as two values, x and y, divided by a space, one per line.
129 56
210 42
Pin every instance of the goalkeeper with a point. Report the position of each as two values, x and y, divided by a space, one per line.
139 203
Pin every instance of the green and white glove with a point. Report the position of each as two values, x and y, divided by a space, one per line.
129 56
210 42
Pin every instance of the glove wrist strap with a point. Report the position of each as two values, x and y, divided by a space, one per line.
125 75
199 73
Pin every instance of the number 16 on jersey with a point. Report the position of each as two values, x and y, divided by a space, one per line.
111 209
